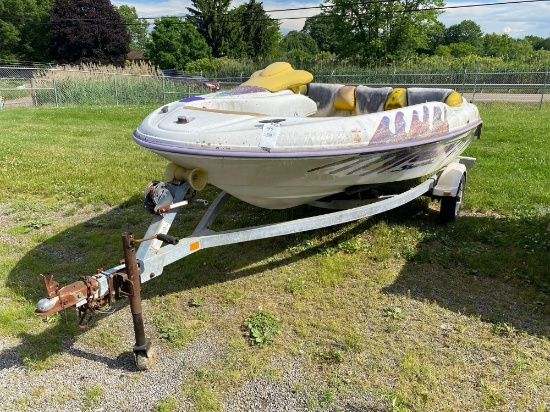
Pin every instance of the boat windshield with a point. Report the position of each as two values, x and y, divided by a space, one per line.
241 90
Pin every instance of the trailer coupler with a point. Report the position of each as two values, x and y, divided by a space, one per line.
90 293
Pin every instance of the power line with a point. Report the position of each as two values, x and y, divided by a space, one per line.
323 7
363 3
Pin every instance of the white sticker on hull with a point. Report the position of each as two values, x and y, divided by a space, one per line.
270 133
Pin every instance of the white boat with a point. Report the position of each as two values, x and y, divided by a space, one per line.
279 141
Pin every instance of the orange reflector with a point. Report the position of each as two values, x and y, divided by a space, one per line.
195 246
446 193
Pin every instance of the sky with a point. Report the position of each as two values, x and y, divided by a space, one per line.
516 20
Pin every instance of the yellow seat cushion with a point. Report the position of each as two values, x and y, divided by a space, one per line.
454 99
396 99
345 98
301 89
279 76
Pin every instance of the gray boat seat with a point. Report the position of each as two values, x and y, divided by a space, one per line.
324 96
343 100
418 95
371 99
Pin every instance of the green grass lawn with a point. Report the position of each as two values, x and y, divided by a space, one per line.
415 315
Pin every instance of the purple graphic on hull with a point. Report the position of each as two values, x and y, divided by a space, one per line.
419 129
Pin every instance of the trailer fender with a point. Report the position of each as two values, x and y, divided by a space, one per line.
449 181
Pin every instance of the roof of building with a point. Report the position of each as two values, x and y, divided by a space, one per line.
135 55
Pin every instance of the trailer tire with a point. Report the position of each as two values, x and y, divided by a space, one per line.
451 205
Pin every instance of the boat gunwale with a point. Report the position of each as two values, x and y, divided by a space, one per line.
274 154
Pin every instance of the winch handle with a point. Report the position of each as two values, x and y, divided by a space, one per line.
172 240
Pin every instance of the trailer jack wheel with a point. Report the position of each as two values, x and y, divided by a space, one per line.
142 361
451 205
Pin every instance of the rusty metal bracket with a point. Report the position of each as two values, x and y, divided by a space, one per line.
50 285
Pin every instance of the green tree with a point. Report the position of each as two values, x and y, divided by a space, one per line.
260 33
174 43
211 18
321 29
522 49
298 40
138 29
207 65
467 31
9 37
462 49
436 36
443 50
497 45
24 29
539 43
87 31
383 30
234 43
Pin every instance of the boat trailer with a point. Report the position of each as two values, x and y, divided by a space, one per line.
91 293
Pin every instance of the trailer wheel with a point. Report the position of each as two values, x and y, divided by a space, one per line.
142 361
451 205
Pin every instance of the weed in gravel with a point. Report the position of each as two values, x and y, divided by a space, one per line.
327 398
203 398
105 338
196 301
504 329
232 296
36 224
261 326
167 332
523 363
542 407
91 396
353 340
395 401
330 356
295 286
171 333
491 397
352 245
22 403
394 313
168 404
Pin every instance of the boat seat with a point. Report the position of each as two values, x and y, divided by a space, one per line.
332 99
341 100
419 95
345 99
279 76
401 97
371 99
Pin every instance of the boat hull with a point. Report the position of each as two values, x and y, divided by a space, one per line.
284 182
290 157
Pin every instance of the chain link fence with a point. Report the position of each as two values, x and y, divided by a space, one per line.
31 86
46 86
